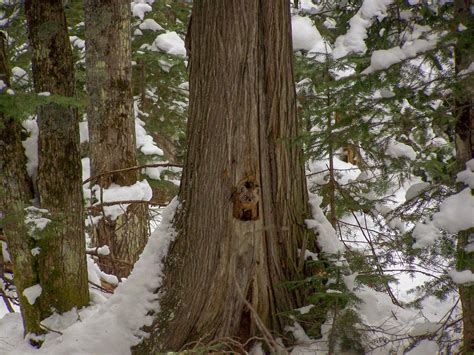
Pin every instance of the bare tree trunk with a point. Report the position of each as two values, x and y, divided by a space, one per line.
464 56
61 263
243 193
15 195
112 126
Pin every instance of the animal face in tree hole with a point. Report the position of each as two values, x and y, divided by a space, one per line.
246 201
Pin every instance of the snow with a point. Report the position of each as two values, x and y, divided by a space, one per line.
139 9
400 150
103 250
461 277
384 58
329 23
305 309
30 145
144 141
354 40
456 212
307 37
35 220
150 24
309 255
19 76
467 176
109 326
309 7
424 328
77 42
344 172
326 235
32 293
425 347
425 235
170 43
469 248
140 191
416 190
298 332
83 132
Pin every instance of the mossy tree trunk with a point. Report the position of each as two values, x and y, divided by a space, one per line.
61 263
464 112
15 195
112 127
243 193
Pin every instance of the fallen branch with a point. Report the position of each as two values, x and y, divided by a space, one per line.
99 206
138 167
99 287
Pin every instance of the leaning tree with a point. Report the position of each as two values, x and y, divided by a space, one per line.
243 196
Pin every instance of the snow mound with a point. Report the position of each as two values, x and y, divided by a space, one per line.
32 293
169 43
327 238
139 10
354 40
113 326
150 24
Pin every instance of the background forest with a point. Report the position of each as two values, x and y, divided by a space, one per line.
384 100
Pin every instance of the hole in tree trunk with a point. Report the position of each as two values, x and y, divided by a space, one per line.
246 199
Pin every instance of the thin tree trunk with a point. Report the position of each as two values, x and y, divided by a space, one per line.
15 194
61 264
112 126
464 57
243 193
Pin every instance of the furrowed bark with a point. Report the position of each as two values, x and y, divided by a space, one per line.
243 192
112 126
61 263
15 195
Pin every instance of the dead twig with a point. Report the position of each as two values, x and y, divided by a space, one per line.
110 172
99 287
271 342
50 330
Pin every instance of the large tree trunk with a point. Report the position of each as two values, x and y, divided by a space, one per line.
61 263
112 127
464 112
15 195
243 193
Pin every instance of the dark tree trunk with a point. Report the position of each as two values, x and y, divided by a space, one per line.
61 263
464 112
243 193
15 195
112 126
